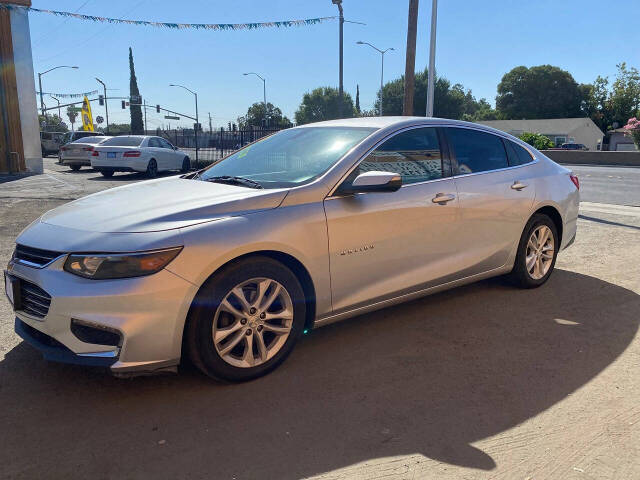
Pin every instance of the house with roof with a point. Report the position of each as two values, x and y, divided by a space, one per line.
559 130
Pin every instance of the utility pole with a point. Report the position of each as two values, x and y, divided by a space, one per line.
432 58
410 66
106 107
340 84
264 96
144 105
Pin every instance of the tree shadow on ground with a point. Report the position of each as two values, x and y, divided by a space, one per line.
431 377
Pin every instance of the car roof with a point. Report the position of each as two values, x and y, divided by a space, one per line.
392 123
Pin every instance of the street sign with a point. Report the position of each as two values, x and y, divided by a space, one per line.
171 117
99 119
75 109
197 126
135 99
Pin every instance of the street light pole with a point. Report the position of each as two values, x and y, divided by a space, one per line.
106 107
197 121
264 96
40 74
340 83
382 52
432 59
59 114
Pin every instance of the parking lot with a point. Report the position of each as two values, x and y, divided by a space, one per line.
484 381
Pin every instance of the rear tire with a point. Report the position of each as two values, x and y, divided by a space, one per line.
269 341
107 173
186 165
537 252
152 169
75 168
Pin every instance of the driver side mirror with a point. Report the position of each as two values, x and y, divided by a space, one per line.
373 181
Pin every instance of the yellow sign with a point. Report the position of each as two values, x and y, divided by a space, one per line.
87 119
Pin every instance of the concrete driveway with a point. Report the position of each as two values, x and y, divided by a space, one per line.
484 381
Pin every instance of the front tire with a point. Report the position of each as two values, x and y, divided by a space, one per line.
186 165
107 173
152 169
245 320
75 168
537 252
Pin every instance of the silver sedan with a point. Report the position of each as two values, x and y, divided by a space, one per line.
230 265
78 153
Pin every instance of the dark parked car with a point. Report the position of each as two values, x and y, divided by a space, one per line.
573 146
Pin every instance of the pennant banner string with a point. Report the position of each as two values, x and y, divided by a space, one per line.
69 95
196 26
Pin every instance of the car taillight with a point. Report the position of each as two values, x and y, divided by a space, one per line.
63 149
575 180
95 154
131 154
88 149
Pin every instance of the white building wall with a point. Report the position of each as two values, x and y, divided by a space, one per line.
21 37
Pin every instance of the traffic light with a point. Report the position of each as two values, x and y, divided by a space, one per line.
157 108
123 105
101 99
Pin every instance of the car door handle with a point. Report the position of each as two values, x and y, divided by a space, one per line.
443 198
518 186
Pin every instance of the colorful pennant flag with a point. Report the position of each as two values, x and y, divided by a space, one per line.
69 95
197 26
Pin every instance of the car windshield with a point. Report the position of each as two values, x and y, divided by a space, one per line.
89 140
123 142
289 158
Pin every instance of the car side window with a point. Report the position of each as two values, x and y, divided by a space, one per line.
476 151
517 155
414 154
166 144
153 142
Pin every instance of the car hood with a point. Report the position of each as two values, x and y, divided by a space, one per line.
161 205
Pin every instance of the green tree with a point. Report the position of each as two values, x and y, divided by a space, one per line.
116 128
53 123
255 117
137 127
323 104
537 140
625 94
358 99
72 114
544 91
450 101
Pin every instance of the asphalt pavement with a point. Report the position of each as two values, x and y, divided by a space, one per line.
613 185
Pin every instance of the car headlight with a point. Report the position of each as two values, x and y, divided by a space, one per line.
101 266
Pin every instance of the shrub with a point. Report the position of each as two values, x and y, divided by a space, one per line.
633 130
537 140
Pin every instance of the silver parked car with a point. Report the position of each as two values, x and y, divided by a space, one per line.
231 264
78 153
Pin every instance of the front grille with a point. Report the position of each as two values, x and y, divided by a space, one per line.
34 300
35 256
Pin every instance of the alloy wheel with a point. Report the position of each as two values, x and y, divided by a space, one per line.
540 250
253 322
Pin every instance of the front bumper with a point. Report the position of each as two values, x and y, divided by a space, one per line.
148 313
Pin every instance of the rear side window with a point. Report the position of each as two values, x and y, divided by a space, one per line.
517 154
476 151
123 142
414 154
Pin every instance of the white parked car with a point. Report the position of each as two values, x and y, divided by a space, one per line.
78 153
138 153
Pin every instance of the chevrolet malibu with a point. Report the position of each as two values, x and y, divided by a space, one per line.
228 266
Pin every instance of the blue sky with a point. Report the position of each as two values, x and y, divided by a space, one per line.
478 41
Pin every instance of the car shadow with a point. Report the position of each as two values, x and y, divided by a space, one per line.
430 377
